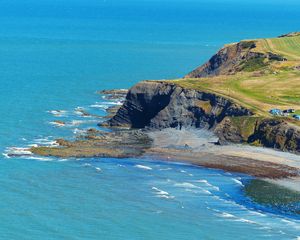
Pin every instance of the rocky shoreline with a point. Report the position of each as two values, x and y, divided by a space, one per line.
161 120
193 141
146 143
151 107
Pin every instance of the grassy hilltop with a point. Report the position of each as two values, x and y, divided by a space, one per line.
258 74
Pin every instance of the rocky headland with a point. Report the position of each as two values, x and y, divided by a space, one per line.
191 103
217 116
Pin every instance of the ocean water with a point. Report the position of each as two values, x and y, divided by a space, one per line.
55 55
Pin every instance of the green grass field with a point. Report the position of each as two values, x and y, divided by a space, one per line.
289 47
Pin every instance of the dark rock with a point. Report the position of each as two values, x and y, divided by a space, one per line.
114 94
292 34
162 105
272 133
234 58
278 134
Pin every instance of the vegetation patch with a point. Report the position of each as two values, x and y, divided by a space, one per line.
247 44
205 105
253 64
246 125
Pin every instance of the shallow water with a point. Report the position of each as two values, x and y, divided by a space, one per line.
54 56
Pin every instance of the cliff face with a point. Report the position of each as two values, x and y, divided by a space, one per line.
163 105
234 58
272 133
278 134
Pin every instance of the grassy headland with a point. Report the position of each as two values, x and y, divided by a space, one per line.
259 83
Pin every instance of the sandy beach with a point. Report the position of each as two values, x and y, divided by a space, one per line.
198 147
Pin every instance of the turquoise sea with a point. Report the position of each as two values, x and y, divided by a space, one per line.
55 55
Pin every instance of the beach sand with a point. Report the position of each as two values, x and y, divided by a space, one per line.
198 147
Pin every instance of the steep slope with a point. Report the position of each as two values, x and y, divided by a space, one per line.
163 104
251 55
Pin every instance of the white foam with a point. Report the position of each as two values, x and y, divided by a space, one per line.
101 106
226 215
98 169
78 131
235 218
77 122
295 225
238 182
257 214
205 191
244 220
208 184
185 185
105 105
159 191
166 196
17 151
63 160
33 145
143 167
202 181
162 194
5 155
58 113
43 159
78 111
57 124
165 169
46 142
72 123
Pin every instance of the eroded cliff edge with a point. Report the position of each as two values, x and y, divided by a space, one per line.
157 105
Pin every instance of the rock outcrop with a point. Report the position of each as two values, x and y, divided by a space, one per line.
272 133
278 134
235 58
161 105
117 144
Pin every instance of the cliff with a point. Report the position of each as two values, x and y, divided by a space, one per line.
267 132
162 105
236 57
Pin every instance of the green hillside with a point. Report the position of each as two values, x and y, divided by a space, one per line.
289 47
261 83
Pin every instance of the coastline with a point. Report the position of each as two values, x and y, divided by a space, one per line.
194 146
197 147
